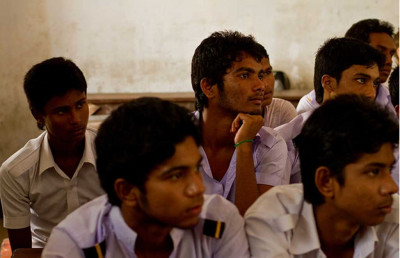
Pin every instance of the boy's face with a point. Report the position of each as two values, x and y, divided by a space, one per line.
269 81
385 44
243 88
359 80
66 117
365 198
174 189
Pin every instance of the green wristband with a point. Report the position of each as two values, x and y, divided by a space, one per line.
237 144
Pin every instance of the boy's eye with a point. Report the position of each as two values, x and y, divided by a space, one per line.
244 75
373 172
60 111
176 176
361 80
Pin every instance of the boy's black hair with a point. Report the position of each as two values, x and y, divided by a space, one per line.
361 30
52 77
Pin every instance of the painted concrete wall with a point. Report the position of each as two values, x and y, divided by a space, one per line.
146 46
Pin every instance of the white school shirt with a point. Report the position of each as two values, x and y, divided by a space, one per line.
271 165
281 224
289 131
308 102
35 192
279 112
99 221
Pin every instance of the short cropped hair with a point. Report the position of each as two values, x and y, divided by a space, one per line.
338 133
216 54
394 86
339 54
50 78
361 30
137 137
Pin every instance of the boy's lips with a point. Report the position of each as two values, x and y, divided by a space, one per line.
195 210
78 131
386 207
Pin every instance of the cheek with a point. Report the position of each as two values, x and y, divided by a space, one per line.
85 113
53 123
270 84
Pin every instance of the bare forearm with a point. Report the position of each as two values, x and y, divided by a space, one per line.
246 184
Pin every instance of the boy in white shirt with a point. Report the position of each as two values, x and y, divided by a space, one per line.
347 205
55 173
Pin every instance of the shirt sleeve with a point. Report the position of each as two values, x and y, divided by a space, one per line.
234 241
15 200
60 244
288 112
264 239
272 162
305 103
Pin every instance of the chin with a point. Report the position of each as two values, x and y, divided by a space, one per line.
375 221
267 102
190 223
256 112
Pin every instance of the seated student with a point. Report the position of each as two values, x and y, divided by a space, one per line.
148 163
342 66
241 158
346 206
55 173
276 111
379 35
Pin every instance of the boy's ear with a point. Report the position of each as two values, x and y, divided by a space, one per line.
208 89
324 182
328 83
126 192
37 115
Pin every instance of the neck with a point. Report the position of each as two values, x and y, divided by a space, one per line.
216 128
62 149
336 232
151 233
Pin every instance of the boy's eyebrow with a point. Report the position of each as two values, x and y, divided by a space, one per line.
244 69
363 74
384 48
82 99
268 68
379 164
170 170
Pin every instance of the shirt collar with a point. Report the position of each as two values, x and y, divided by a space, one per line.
128 236
305 235
125 235
47 159
382 96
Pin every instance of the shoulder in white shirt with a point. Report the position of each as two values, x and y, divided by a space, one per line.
281 224
98 221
